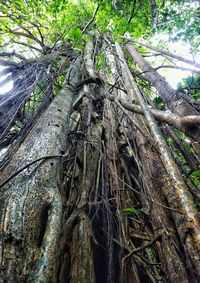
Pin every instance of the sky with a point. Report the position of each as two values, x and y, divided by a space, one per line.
7 87
173 76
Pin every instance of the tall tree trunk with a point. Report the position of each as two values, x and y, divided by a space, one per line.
173 99
177 190
31 205
107 202
176 101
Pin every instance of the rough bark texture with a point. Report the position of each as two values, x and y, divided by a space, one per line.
175 101
177 193
115 207
31 206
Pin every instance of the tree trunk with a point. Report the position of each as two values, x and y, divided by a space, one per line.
31 205
106 201
176 101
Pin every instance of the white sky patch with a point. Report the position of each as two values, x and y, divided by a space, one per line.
172 76
8 86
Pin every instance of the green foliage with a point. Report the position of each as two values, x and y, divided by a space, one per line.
100 62
176 152
180 158
195 177
16 127
65 19
170 141
184 140
131 210
178 155
180 19
55 19
192 85
158 102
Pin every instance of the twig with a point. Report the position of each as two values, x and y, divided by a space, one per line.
27 45
92 19
132 12
142 247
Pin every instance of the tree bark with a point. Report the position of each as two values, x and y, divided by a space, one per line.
177 193
175 101
31 204
111 205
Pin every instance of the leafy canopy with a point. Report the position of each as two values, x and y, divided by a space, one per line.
51 20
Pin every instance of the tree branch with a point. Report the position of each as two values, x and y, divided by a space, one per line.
153 12
12 54
177 57
92 19
6 80
132 12
40 33
6 71
143 247
177 67
8 63
28 45
164 116
89 80
27 35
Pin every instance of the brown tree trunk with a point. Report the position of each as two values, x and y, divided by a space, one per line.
175 101
173 189
114 208
172 99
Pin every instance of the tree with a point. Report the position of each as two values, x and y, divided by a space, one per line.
99 154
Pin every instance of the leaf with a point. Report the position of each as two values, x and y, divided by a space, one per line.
130 210
195 177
